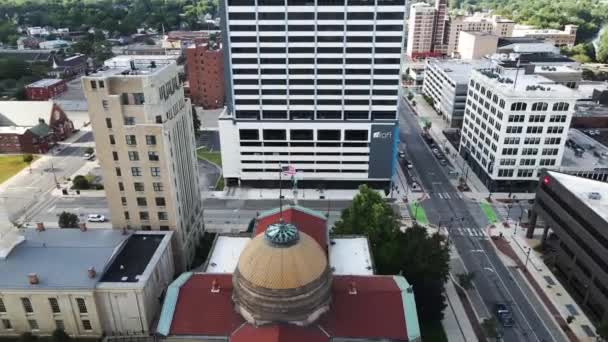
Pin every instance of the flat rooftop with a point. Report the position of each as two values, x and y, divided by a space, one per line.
350 256
583 188
133 258
347 255
522 30
459 70
142 68
60 257
225 255
515 83
45 82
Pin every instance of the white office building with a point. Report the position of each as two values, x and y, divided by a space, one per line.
313 84
446 83
515 124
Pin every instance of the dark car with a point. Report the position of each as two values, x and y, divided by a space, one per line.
504 315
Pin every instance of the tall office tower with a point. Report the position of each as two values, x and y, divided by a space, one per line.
313 84
420 30
441 26
515 125
144 139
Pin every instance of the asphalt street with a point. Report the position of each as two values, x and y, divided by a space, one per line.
464 218
30 194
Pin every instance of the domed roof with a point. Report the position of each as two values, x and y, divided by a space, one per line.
282 276
282 258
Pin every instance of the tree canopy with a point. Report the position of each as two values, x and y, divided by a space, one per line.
422 258
589 15
119 17
68 220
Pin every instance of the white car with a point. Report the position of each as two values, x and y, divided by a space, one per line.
88 156
96 218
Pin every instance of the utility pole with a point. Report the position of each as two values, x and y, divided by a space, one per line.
54 175
527 258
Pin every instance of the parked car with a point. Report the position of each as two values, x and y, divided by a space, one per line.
443 162
504 315
401 154
96 218
409 165
88 156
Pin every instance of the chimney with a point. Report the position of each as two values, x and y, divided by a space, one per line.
40 226
352 288
83 226
215 287
33 278
92 273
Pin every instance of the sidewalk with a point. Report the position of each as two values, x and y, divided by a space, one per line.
287 192
546 286
456 323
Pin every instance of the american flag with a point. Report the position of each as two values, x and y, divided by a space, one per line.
288 170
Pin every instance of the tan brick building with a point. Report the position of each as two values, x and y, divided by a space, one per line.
146 148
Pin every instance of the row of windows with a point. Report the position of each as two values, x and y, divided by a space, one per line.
320 115
310 61
303 134
312 102
136 171
540 106
311 28
311 81
318 39
319 16
156 186
317 2
302 144
33 324
311 72
308 171
318 50
134 156
132 140
317 162
145 216
339 92
53 304
336 154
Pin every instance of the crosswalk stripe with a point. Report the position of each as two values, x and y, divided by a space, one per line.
439 194
447 195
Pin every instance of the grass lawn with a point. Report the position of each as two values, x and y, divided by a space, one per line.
418 213
10 165
433 332
220 184
214 157
487 209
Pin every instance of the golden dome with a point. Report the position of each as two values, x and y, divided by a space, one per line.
288 266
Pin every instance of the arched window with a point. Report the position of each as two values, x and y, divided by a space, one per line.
561 106
539 106
519 106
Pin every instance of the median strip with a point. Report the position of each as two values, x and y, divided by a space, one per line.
489 212
417 212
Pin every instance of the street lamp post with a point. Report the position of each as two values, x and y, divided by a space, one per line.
54 175
527 258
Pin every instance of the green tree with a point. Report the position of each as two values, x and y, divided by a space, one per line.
602 51
602 330
68 220
28 159
196 122
466 280
489 327
370 215
20 94
80 182
59 335
421 258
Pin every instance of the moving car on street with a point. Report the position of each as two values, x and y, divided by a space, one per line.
96 218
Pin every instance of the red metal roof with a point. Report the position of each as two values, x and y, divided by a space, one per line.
375 311
278 333
312 225
201 312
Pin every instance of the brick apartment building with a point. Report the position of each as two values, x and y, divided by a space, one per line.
205 70
45 89
32 126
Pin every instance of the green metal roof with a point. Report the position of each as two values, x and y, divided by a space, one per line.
41 130
409 307
282 234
